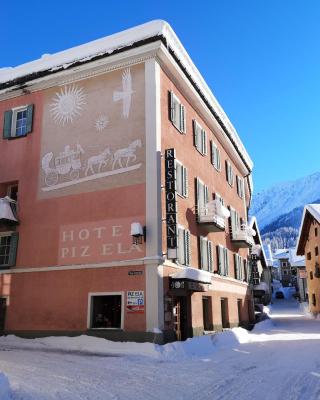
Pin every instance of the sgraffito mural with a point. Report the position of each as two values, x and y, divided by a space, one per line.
93 134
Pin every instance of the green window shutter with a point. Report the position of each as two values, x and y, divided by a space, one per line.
218 159
220 259
185 182
29 117
13 249
181 246
206 194
233 220
182 118
226 262
7 121
171 106
235 259
195 133
187 247
204 149
210 256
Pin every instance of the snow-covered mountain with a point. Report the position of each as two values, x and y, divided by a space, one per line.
279 209
282 198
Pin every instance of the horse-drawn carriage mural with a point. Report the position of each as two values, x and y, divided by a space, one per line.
69 168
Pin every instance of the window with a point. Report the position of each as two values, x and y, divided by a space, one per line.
235 221
184 248
309 255
245 271
12 192
207 313
284 264
240 187
219 198
200 138
238 267
106 311
223 260
316 251
8 249
215 156
315 231
206 257
18 122
177 113
181 179
229 173
311 275
314 301
202 192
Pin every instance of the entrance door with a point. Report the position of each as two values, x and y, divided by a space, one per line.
224 313
3 309
239 304
180 317
207 313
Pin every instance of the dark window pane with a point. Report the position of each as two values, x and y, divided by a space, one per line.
106 312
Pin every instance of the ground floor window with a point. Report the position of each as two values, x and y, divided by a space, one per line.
224 313
239 306
106 311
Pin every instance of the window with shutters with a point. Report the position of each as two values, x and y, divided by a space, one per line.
202 192
18 122
206 254
229 173
240 187
238 267
184 248
200 138
181 179
215 156
8 248
218 197
223 260
177 113
235 221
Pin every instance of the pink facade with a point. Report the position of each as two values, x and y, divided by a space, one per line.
94 163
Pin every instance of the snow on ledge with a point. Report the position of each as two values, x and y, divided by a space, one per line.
193 274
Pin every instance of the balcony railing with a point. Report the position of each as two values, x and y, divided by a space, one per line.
213 216
243 236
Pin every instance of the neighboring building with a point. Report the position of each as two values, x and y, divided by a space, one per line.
308 245
286 271
262 279
132 189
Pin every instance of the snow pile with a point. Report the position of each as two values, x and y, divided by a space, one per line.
4 387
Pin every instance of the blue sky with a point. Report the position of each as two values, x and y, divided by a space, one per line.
261 59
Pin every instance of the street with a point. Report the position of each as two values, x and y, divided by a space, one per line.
279 359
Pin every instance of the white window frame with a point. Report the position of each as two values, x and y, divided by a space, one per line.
200 138
182 180
240 186
178 119
15 112
229 173
184 258
223 259
90 307
6 234
215 156
204 196
206 254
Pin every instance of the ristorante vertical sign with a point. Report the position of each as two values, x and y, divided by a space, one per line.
171 204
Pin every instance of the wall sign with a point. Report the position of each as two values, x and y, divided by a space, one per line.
134 273
171 203
135 301
184 284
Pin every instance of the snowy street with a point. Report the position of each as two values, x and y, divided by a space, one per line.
279 359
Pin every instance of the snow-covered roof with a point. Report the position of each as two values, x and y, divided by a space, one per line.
309 210
138 35
290 255
193 274
254 225
268 253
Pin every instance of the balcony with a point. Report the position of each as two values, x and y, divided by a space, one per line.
243 236
213 216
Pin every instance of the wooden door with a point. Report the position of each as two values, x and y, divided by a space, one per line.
3 309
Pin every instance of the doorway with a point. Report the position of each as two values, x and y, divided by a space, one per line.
224 313
207 313
239 305
181 318
3 311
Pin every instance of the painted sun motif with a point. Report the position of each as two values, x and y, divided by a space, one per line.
67 104
101 123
